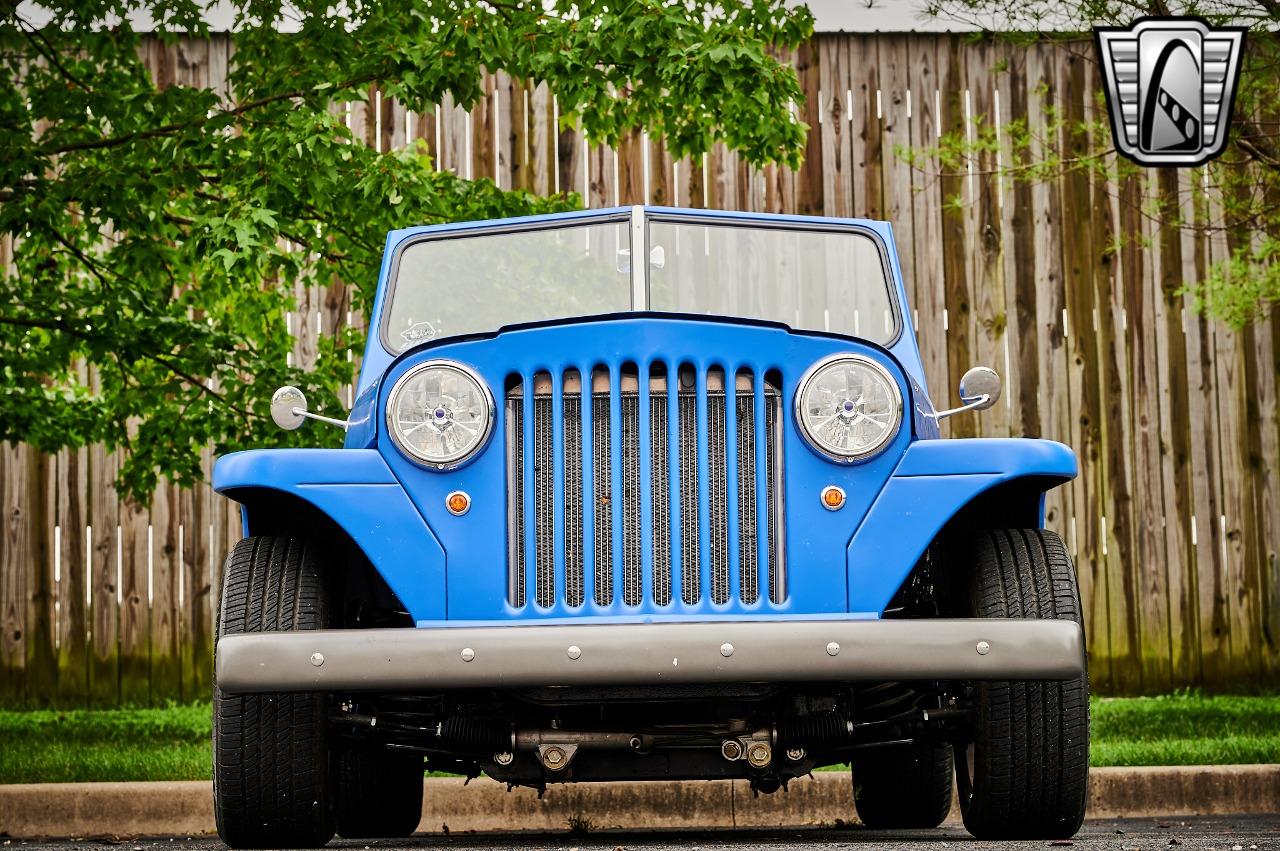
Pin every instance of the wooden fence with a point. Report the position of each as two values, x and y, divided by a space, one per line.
1067 287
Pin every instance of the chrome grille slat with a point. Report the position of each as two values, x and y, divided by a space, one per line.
777 591
632 580
718 491
603 508
633 514
543 509
515 513
690 578
747 526
574 564
660 516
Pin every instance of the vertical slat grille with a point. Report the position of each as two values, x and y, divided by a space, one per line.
657 515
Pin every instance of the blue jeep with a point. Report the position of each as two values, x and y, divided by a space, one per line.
647 493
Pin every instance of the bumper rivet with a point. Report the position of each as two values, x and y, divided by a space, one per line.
503 758
317 659
574 651
726 650
795 754
833 649
983 648
467 654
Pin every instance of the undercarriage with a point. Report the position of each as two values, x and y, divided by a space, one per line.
767 735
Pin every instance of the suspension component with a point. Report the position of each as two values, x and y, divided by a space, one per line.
759 755
814 731
481 735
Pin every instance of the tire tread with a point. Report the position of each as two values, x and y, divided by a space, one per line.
270 751
1031 749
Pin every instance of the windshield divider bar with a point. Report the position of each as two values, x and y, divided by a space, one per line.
639 261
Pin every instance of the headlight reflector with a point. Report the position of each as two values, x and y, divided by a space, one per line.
440 413
848 407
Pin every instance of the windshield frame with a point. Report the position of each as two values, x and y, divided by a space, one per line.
640 218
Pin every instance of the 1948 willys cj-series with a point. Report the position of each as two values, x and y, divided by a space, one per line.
687 517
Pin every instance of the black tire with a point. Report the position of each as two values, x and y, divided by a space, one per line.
270 751
897 788
1026 774
379 793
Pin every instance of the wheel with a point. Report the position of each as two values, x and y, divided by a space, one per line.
270 751
379 793
1025 775
903 787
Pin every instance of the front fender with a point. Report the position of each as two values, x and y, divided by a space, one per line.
357 490
934 481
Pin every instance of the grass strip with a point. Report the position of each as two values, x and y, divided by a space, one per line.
172 743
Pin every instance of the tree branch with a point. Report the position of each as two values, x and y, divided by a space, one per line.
168 129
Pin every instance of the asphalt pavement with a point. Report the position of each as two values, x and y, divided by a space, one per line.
1222 833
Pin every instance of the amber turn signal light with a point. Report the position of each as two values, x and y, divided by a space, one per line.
832 498
457 503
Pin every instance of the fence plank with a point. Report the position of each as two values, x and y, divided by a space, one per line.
73 620
986 291
1150 536
864 97
104 513
1079 257
41 505
135 613
957 233
14 573
808 180
834 129
1175 426
166 567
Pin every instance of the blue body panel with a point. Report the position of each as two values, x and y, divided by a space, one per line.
449 570
358 491
934 480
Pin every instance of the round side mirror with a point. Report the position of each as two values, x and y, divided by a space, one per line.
978 382
286 405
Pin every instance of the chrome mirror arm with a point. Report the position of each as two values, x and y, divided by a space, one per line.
976 403
302 412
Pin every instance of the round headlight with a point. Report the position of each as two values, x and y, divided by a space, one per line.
848 407
440 413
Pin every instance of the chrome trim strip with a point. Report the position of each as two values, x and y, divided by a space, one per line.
514 656
639 260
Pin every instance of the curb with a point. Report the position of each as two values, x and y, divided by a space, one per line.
186 808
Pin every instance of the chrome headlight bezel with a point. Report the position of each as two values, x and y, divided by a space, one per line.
806 382
457 460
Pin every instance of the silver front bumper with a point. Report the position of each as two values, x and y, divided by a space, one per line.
649 654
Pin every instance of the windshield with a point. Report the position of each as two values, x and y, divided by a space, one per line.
822 280
469 284
818 279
